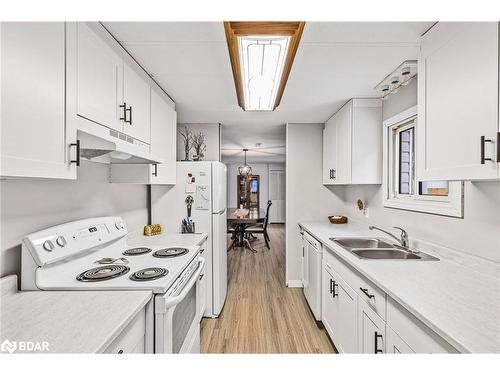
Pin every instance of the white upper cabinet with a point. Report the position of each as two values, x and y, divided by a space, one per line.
352 144
36 138
163 147
163 140
329 140
100 77
136 96
458 102
109 91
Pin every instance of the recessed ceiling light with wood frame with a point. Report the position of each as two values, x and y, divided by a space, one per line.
262 55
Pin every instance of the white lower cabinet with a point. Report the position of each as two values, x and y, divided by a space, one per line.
133 337
371 330
37 140
395 344
360 318
339 305
201 294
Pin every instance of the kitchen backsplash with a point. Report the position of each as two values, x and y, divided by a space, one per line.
31 205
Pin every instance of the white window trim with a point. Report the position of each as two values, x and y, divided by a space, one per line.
452 205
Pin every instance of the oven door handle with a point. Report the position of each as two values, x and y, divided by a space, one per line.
172 301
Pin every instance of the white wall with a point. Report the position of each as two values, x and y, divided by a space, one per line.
31 205
212 140
478 233
306 197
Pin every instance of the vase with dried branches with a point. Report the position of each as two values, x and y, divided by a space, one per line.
187 135
199 146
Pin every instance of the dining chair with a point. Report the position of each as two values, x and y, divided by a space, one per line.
261 228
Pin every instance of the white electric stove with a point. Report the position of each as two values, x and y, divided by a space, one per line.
93 254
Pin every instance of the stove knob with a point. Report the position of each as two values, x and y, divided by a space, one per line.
48 245
61 241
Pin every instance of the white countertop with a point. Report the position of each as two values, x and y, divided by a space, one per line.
137 238
458 296
70 321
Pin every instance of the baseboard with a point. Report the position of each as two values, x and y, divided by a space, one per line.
294 284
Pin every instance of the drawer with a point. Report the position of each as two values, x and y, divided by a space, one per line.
416 334
132 338
367 291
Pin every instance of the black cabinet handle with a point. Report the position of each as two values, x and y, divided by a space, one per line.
377 350
331 286
335 294
155 173
334 174
77 160
483 141
365 291
498 147
120 351
201 276
201 251
129 110
124 116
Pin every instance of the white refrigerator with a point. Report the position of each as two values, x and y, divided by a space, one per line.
206 182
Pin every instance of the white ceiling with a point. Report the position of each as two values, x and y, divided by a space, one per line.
335 62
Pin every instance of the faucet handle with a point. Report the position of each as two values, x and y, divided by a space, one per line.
404 236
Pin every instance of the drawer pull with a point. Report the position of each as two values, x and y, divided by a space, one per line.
120 351
331 286
365 291
377 350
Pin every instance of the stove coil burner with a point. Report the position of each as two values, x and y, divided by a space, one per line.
147 274
103 273
170 252
137 251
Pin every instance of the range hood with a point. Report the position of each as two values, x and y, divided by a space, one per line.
110 151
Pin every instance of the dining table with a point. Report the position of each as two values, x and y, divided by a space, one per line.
240 219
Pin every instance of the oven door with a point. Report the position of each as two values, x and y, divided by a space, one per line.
177 325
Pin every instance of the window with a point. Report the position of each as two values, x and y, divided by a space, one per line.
402 188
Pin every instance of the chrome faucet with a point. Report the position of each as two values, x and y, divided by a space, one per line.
404 236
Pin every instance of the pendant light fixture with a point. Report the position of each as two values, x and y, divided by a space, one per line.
245 170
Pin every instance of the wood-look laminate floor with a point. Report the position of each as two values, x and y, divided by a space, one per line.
262 315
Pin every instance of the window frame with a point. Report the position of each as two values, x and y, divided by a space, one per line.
451 205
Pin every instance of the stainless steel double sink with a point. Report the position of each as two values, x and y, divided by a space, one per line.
379 248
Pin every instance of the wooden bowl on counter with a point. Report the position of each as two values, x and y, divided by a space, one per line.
337 219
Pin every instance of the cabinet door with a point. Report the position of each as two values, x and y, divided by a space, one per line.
99 82
163 140
371 330
35 136
136 95
343 144
305 263
329 144
330 314
395 344
458 101
344 305
201 294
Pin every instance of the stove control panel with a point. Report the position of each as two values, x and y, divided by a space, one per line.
66 240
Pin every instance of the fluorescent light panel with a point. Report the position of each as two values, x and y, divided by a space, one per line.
262 59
